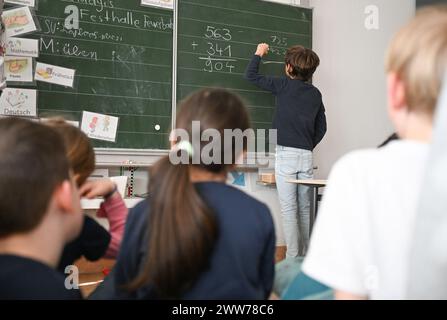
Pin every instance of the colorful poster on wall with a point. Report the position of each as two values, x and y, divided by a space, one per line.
22 47
54 74
29 3
18 102
99 126
19 69
18 21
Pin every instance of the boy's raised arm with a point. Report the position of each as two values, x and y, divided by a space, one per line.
271 84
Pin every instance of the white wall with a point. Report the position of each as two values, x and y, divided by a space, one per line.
351 76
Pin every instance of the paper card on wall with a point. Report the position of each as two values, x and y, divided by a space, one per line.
18 21
19 69
99 126
166 4
54 74
22 47
29 3
18 102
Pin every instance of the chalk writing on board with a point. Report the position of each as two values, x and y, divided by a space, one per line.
218 56
53 27
51 46
279 41
99 5
218 34
217 49
218 64
279 45
126 18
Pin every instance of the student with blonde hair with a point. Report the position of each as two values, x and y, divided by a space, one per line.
362 239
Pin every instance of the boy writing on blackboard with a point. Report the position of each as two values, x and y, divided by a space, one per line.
300 122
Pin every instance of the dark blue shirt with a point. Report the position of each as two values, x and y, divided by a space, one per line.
300 115
26 279
241 265
92 244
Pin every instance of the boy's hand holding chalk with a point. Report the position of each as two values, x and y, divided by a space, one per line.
262 50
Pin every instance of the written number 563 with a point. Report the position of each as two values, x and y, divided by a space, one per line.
218 34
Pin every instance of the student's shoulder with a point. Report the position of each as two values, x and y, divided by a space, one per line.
24 277
230 196
357 160
56 286
313 89
229 192
395 152
367 164
138 213
307 89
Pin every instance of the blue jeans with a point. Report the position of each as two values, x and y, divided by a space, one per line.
292 164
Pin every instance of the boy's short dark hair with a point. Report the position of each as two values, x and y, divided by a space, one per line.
304 62
32 165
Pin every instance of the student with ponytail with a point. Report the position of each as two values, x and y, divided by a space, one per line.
196 237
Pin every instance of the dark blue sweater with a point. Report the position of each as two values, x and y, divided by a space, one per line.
300 115
26 279
241 266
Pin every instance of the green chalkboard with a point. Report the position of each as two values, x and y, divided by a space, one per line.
122 55
218 38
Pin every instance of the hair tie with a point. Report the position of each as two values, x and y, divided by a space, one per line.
185 146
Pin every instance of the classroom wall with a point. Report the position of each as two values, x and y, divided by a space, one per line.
351 76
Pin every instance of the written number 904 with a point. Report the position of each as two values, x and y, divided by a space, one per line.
224 66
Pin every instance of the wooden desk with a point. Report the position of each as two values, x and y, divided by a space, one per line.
315 185
91 274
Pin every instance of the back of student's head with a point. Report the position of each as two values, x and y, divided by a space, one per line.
80 152
418 55
182 227
303 61
32 166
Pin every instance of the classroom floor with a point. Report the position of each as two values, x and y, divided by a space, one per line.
91 274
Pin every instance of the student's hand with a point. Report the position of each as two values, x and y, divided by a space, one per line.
263 49
97 188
